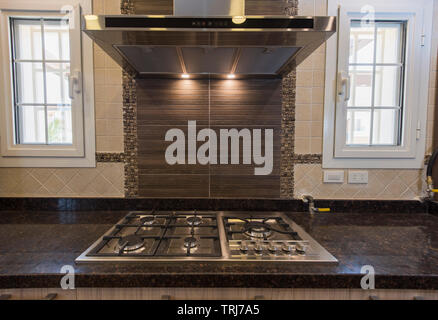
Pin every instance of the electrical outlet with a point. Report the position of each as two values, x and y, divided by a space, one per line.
331 176
358 177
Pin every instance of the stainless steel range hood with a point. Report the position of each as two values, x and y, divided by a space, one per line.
212 47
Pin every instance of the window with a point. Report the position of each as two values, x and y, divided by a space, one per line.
47 110
377 70
41 69
375 111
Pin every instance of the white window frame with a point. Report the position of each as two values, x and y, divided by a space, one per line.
82 151
336 154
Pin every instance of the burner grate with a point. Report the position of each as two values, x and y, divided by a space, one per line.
258 228
159 237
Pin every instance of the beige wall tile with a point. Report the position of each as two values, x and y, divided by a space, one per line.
316 129
112 6
383 184
306 7
318 78
318 95
113 76
304 78
106 180
304 95
108 92
303 112
317 112
114 111
99 57
98 6
302 145
302 129
316 145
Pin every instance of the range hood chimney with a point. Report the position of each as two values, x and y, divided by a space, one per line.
208 39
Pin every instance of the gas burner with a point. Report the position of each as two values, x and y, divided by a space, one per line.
194 221
131 242
148 220
257 230
190 242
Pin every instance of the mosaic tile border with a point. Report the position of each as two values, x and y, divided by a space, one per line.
291 8
130 135
288 136
130 122
110 157
288 123
127 7
307 159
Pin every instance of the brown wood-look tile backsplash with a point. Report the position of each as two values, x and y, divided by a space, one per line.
264 7
252 7
216 104
153 6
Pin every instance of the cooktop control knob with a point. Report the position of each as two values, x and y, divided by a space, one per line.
273 248
258 248
302 248
289 247
244 247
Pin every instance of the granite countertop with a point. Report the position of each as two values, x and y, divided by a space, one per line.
402 248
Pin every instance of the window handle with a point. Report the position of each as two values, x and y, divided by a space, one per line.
75 84
344 85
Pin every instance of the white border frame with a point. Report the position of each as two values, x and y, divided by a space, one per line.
64 156
411 155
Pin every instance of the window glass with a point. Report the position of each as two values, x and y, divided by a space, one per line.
41 67
376 69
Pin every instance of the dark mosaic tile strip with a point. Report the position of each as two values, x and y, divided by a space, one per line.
307 159
110 157
130 122
90 204
288 122
287 137
127 7
130 135
291 7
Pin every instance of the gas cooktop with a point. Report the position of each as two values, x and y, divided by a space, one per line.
206 236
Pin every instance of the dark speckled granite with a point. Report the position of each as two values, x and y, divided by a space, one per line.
433 207
403 248
96 204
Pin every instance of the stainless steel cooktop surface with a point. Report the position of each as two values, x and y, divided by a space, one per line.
206 236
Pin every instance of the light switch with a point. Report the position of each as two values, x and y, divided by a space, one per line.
331 176
358 177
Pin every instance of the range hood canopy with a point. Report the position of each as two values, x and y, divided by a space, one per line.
212 47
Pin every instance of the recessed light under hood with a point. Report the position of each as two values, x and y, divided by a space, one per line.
209 47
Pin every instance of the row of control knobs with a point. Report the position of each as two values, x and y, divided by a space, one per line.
274 247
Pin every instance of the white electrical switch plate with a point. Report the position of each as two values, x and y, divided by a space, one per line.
358 177
331 176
